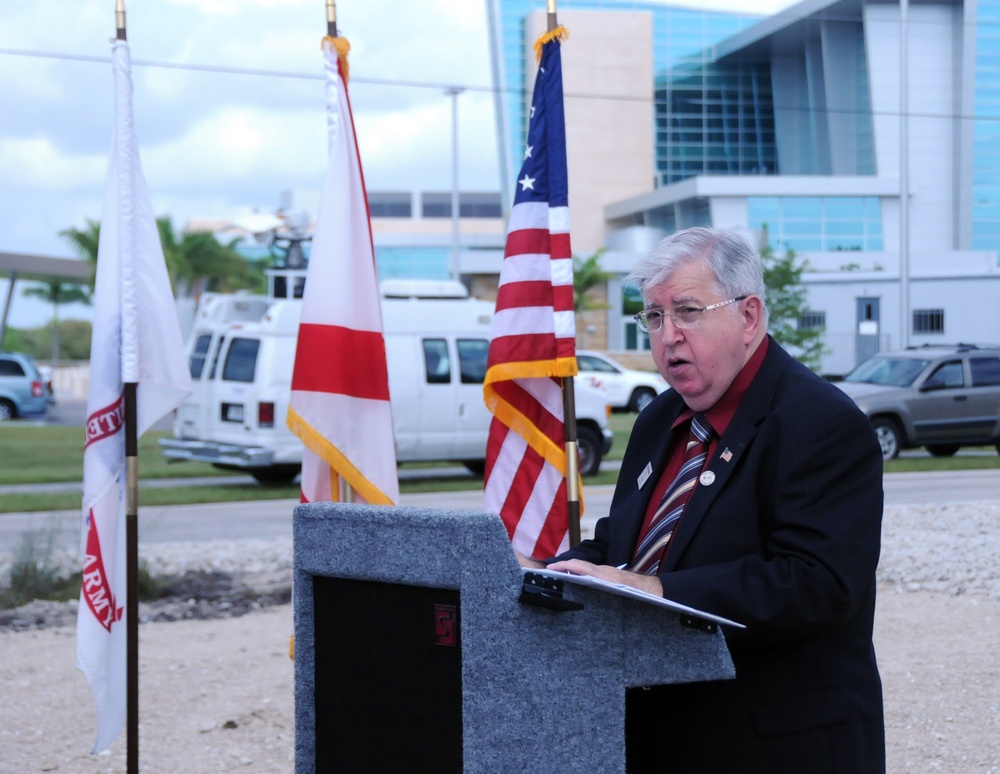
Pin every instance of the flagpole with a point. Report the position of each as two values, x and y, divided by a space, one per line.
120 19
551 8
132 574
344 493
569 406
131 536
572 460
331 18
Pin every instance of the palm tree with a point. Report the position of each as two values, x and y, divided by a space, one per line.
587 274
195 261
85 242
198 262
57 292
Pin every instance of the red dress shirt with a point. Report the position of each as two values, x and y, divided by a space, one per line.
719 416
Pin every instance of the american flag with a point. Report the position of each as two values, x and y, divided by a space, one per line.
533 341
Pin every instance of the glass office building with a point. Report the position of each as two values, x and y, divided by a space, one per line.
689 132
716 115
805 128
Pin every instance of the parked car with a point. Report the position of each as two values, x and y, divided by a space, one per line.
22 388
626 389
938 397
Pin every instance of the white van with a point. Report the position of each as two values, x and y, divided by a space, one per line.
242 351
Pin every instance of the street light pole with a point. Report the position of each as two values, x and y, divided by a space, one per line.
904 182
453 92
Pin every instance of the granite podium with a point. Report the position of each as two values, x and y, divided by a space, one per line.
413 651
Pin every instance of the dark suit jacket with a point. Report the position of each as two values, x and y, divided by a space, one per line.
786 541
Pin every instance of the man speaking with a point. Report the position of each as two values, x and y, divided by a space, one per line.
752 490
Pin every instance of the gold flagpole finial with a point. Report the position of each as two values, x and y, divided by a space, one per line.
120 18
337 43
331 18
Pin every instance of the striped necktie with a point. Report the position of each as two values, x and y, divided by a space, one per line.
646 559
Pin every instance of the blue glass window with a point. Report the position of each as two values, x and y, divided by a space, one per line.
809 223
413 262
986 132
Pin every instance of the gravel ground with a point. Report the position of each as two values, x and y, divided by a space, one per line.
216 693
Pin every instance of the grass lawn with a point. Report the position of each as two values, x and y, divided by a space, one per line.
40 455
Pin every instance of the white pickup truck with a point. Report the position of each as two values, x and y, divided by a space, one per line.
241 352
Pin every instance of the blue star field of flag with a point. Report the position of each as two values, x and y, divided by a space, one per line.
543 172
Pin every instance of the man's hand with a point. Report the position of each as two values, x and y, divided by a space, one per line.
524 561
648 583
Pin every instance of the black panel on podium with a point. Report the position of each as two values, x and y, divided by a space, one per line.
388 677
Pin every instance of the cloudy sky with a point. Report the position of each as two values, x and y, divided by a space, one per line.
226 140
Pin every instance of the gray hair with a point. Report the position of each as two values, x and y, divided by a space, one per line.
730 258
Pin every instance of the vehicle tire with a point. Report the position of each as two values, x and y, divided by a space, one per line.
588 446
890 437
943 449
476 467
7 410
641 397
276 474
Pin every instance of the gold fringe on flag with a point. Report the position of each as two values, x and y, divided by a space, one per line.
341 46
339 464
559 33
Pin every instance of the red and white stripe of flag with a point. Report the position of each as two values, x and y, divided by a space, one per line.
533 345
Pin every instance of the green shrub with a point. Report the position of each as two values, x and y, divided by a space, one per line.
36 573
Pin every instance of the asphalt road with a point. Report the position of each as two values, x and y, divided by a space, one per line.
73 413
273 518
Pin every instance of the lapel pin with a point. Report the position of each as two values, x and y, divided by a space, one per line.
707 478
726 455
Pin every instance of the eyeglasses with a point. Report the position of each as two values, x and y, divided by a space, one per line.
683 317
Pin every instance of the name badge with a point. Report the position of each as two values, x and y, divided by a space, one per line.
644 476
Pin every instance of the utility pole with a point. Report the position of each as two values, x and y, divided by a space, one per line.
453 268
904 182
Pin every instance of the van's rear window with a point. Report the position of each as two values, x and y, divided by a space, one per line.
241 360
198 354
472 354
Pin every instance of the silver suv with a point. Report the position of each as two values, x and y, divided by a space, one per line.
939 397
